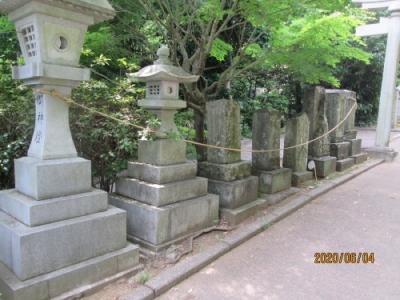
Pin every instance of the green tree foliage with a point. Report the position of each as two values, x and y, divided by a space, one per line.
366 79
222 40
109 145
313 46
16 107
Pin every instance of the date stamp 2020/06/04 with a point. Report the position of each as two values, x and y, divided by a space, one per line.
344 257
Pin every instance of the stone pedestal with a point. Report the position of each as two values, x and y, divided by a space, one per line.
229 177
386 153
53 234
297 133
325 166
355 151
344 164
165 201
275 181
340 150
267 165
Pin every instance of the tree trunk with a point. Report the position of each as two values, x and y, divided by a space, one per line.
299 96
199 126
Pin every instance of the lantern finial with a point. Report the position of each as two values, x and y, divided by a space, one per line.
163 56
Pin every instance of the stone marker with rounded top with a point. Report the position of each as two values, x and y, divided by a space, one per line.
164 199
57 232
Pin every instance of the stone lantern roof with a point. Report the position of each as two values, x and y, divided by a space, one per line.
163 70
100 9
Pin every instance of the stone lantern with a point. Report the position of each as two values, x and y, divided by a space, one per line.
58 234
51 35
164 199
162 89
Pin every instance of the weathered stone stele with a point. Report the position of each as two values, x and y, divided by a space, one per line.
266 136
229 177
164 199
266 165
223 124
336 110
297 133
344 143
314 105
57 233
314 102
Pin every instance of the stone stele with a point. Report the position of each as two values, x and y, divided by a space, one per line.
266 165
297 133
223 125
229 177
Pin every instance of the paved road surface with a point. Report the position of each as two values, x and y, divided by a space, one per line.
362 215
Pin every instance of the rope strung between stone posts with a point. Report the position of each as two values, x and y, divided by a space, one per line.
93 111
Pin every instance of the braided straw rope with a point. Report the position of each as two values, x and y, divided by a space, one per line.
93 111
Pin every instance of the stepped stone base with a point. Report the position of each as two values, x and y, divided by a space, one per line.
33 251
34 213
162 174
276 181
225 172
344 164
299 177
324 166
355 147
278 197
82 276
238 215
45 179
154 226
340 150
235 193
360 158
161 194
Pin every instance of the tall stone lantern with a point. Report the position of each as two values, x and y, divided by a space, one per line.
164 199
57 234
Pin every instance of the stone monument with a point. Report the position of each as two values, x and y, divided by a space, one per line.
350 132
297 132
314 103
267 165
337 101
229 177
58 234
164 199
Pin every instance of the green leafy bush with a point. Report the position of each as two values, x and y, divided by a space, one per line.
107 143
16 122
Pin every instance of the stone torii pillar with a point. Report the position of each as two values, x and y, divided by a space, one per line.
387 102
